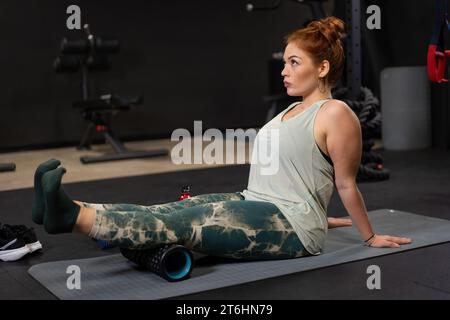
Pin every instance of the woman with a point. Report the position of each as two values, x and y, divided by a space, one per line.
280 215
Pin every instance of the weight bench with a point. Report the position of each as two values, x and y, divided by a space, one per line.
98 113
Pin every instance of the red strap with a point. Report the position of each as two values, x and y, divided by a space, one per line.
437 64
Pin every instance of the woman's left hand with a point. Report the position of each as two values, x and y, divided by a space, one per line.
338 222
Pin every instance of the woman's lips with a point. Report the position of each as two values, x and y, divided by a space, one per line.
287 84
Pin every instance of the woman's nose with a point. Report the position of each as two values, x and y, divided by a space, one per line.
284 72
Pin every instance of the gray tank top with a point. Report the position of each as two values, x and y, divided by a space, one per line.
303 184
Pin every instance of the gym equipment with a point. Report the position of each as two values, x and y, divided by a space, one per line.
110 277
98 114
406 108
353 49
92 54
4 167
185 193
437 54
171 262
437 70
103 244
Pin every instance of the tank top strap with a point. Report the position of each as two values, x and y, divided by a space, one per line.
320 103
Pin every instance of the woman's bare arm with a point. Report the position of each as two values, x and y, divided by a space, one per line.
344 145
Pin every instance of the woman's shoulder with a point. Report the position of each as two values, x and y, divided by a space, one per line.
337 112
336 104
337 109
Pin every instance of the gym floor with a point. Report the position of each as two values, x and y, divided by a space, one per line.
417 185
27 161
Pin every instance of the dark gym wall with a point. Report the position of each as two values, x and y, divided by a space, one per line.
192 60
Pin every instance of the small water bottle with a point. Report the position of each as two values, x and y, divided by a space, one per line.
104 244
185 193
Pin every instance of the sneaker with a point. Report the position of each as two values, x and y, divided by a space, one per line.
27 234
12 247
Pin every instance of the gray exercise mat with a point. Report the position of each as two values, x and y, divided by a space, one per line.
114 277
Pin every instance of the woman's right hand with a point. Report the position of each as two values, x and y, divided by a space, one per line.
388 242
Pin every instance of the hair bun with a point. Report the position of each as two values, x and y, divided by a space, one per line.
332 28
321 40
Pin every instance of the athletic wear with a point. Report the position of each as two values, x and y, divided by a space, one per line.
303 184
12 247
27 234
219 224
279 216
325 156
60 211
38 205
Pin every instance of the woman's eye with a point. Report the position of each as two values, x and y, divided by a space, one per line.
292 62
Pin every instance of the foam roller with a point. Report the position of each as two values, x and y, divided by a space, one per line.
170 262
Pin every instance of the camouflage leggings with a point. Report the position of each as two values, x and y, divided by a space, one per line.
217 224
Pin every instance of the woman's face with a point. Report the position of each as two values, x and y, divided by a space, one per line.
300 74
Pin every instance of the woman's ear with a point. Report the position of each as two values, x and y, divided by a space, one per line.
324 68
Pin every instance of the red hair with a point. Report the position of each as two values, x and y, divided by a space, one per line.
322 40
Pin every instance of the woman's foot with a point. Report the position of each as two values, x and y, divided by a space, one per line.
61 212
38 206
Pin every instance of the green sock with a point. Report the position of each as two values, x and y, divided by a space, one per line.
60 211
38 206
